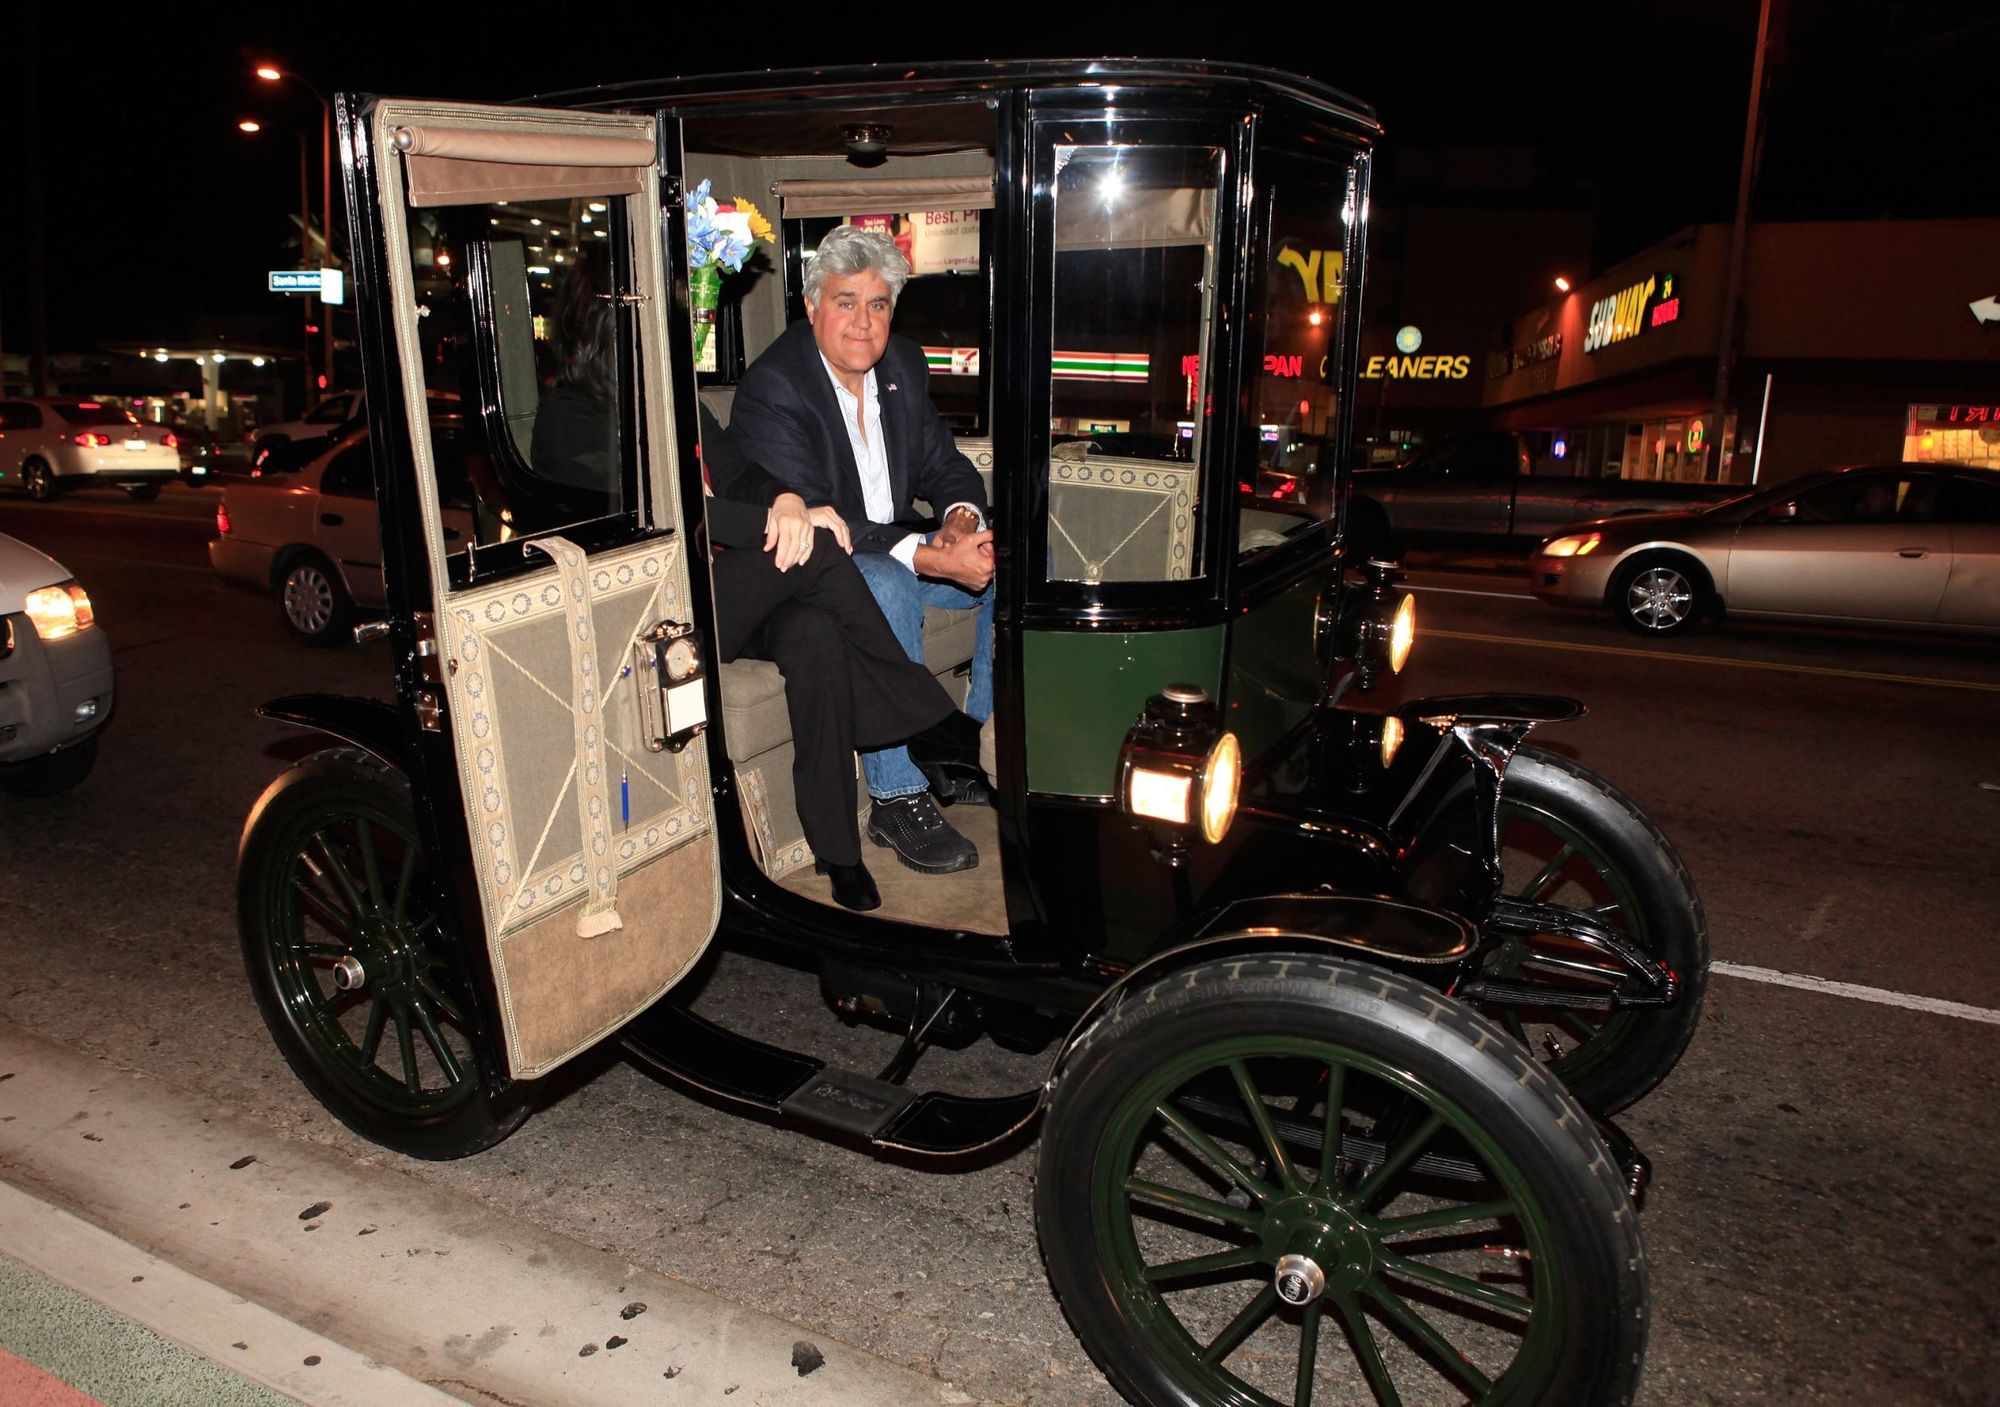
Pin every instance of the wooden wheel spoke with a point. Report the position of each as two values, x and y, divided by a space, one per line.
447 1062
1441 1218
1447 1358
334 919
337 872
1192 1203
1542 883
1397 1159
1204 1265
406 1045
1260 1118
371 864
1329 1147
1369 1352
1215 1152
1490 1295
1239 1328
371 1040
1302 1391
442 1000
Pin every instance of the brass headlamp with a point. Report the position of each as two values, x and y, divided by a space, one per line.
1377 624
1179 770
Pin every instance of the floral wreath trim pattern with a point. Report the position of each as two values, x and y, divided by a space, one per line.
518 891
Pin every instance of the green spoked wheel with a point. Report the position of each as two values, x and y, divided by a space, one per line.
1571 839
1298 1180
344 943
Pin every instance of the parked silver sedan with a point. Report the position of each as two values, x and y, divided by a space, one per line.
1905 544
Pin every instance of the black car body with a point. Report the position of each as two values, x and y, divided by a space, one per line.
528 848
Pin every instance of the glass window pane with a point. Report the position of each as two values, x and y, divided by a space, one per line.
1135 277
517 304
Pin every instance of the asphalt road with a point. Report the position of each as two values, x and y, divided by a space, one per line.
1820 1228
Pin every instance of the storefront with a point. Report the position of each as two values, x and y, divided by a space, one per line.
1858 343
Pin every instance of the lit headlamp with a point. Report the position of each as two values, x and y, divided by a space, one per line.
1377 625
1179 770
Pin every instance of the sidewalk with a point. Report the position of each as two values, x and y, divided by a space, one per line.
333 1282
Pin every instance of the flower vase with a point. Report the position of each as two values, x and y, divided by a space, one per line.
705 294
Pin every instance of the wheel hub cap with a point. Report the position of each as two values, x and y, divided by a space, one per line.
1299 1280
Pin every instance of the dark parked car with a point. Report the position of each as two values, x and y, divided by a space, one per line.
1887 544
1336 1001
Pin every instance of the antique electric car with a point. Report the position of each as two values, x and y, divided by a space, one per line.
1335 998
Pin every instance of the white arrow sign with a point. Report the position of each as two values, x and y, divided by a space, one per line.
1986 310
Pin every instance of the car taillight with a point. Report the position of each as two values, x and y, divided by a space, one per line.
222 519
172 441
93 437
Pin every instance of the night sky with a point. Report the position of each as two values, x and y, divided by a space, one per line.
160 214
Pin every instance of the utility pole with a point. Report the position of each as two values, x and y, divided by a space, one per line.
1730 336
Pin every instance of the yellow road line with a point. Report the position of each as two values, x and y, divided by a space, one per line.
1868 674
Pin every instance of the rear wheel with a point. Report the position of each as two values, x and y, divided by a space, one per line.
39 480
143 493
316 606
1659 596
344 940
1301 1180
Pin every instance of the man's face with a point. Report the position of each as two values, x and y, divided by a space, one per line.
850 321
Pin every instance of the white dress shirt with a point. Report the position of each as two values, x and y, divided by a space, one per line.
861 417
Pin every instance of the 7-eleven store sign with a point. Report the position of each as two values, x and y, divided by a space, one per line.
1066 366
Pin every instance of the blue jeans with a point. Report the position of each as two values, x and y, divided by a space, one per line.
902 595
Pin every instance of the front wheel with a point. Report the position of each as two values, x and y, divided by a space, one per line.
1295 1179
142 493
344 940
1570 839
1660 596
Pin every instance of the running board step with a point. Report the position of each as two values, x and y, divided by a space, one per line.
819 1098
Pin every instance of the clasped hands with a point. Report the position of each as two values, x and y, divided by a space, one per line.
959 551
789 525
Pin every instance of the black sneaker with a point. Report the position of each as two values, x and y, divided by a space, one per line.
921 838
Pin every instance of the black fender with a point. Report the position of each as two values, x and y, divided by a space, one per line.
369 724
1428 944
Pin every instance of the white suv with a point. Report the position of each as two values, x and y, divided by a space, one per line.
55 674
49 443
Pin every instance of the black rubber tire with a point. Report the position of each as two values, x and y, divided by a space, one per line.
1545 794
39 481
415 995
1661 594
52 772
314 604
1584 1339
142 493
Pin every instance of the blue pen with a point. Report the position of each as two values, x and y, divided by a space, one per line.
625 797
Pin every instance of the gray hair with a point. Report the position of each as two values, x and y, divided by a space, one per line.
848 250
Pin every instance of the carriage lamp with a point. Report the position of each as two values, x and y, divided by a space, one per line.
1179 770
674 711
1378 625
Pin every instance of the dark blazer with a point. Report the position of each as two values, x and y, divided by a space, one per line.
785 417
744 489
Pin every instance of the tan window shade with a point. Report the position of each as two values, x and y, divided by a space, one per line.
891 196
470 166
1140 219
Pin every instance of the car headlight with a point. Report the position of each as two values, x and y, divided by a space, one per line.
59 611
1402 633
1378 625
1179 770
1577 545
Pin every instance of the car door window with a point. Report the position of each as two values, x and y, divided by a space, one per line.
1135 275
1869 499
1972 502
350 474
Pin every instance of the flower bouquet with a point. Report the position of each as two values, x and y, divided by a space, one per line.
719 237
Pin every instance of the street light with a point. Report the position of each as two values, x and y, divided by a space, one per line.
270 73
252 126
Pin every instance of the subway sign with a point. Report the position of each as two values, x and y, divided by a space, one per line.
1630 311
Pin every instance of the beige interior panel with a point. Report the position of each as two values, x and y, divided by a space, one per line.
1113 519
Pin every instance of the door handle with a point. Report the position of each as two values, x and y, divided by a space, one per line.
331 520
1913 552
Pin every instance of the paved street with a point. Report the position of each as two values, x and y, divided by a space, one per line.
1820 1228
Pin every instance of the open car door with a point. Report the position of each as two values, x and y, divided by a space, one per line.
514 314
